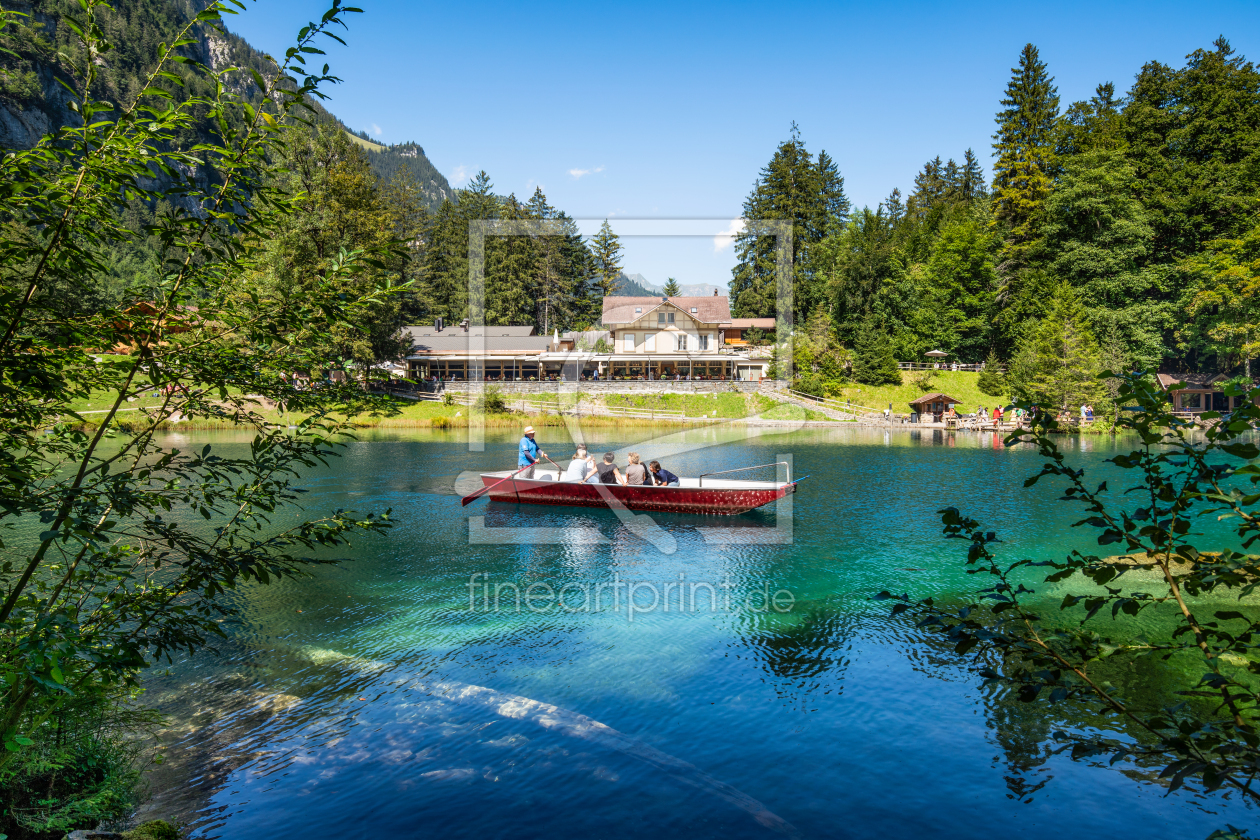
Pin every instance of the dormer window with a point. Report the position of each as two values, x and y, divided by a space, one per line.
638 310
693 310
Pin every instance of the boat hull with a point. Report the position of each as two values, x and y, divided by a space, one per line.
715 501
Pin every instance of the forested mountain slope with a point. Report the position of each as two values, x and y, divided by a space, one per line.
33 102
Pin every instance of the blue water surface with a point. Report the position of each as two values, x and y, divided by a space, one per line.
388 697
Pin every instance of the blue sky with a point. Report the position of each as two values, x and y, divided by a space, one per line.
668 110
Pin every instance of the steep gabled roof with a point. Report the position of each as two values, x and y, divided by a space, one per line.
1190 380
713 309
938 397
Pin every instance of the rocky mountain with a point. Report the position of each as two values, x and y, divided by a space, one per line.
637 285
405 160
33 54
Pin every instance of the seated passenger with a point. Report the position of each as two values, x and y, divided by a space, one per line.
636 473
608 472
662 477
581 467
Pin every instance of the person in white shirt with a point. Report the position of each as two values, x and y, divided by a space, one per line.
581 468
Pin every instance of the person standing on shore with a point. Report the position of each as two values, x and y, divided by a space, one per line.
528 453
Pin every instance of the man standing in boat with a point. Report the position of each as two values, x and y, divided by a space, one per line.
528 453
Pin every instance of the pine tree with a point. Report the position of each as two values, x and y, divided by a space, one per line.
671 288
606 250
1058 365
444 265
972 186
1194 137
586 290
873 359
894 207
1223 301
1024 143
929 188
810 194
861 267
991 381
553 288
951 181
963 281
1092 125
341 209
510 271
834 206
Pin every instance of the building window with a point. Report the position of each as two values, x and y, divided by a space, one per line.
660 317
671 317
693 310
682 341
1191 400
704 341
638 310
628 342
649 342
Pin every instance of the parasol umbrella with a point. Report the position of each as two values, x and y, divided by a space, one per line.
936 354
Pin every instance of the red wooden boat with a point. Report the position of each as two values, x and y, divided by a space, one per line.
702 494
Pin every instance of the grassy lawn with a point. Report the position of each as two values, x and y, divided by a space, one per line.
960 385
788 411
412 414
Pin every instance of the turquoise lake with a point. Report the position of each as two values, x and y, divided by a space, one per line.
388 697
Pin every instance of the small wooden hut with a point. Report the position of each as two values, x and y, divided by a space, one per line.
934 405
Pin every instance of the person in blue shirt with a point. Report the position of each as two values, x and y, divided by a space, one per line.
661 476
528 453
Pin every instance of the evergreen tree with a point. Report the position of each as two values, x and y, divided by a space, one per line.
606 250
991 381
1194 137
930 188
1058 365
444 266
552 287
511 265
671 288
873 359
341 210
810 194
585 287
1091 125
894 207
971 184
834 206
963 283
858 266
1097 236
951 179
1223 301
408 204
1024 143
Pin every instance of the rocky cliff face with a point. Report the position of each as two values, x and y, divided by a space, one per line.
34 103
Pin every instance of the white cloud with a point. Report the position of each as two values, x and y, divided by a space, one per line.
376 129
459 175
726 237
578 173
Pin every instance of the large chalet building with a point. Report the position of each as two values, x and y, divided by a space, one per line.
642 338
